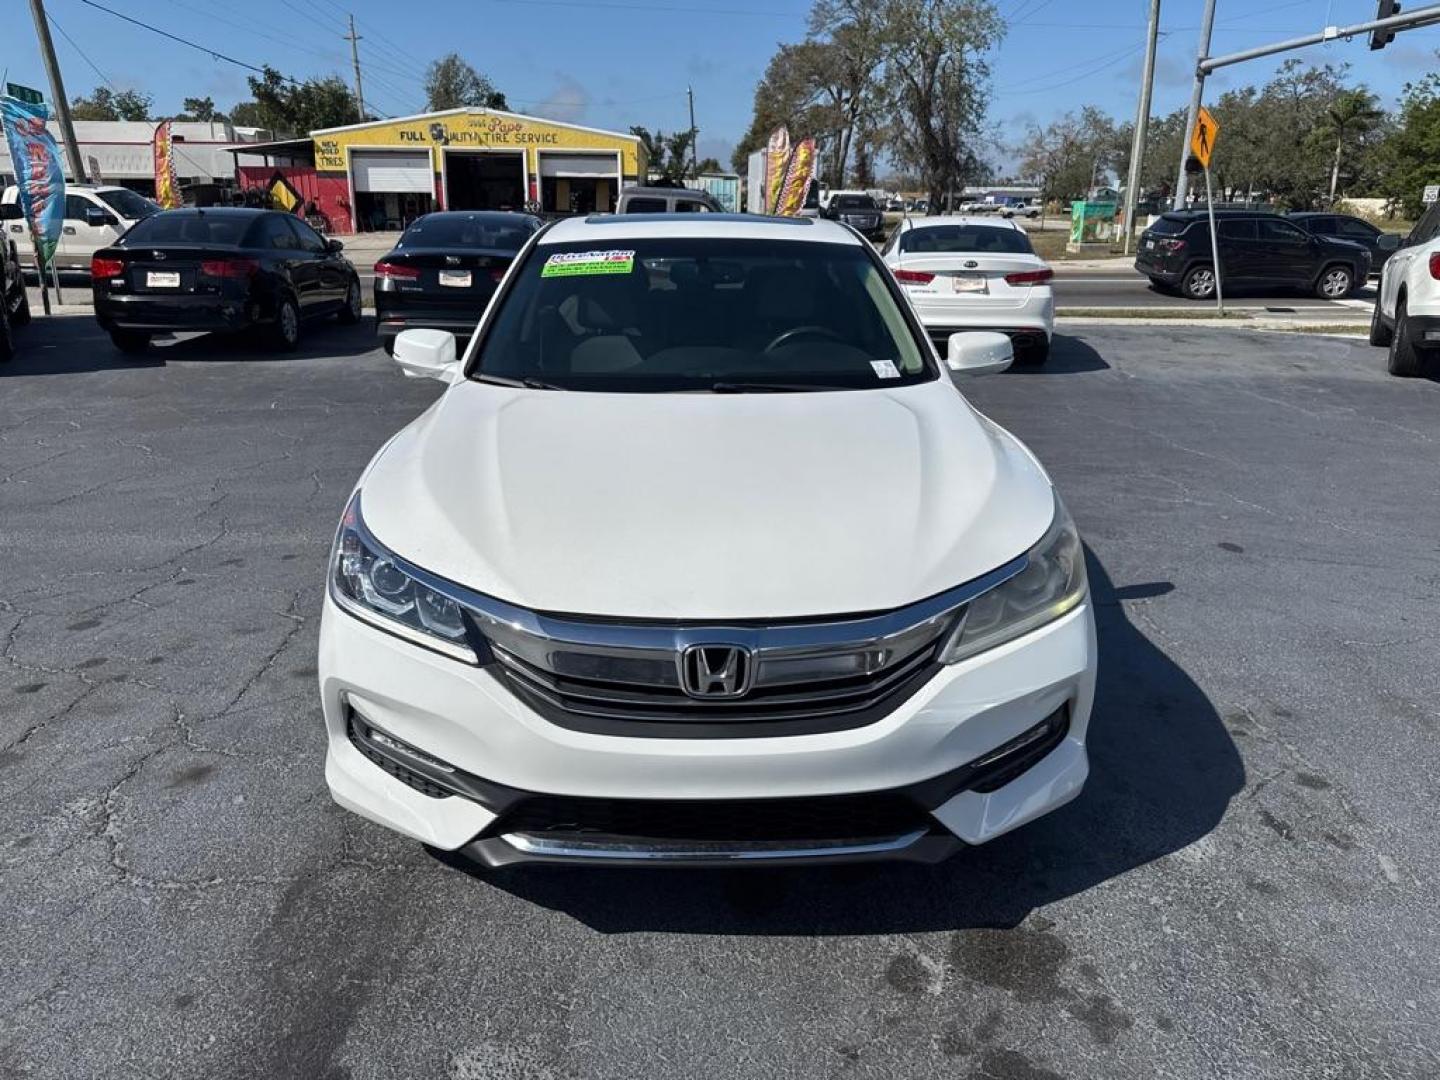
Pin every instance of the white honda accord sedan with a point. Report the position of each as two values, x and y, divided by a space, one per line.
702 558
975 274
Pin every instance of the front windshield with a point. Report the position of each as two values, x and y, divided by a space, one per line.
129 205
854 202
688 314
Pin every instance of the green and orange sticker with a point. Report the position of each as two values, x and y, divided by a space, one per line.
587 263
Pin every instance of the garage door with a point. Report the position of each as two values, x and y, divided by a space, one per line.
575 165
388 170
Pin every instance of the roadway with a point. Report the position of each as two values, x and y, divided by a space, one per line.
1124 288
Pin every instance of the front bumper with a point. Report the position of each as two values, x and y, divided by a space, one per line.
464 718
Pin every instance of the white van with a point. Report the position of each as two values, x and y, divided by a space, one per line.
95 217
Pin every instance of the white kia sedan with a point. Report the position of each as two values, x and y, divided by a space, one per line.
975 274
702 558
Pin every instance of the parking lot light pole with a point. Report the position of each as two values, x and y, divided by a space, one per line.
1207 25
1142 121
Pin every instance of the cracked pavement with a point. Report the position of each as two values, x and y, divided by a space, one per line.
1246 888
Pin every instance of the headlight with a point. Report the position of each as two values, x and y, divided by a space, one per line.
371 584
1052 583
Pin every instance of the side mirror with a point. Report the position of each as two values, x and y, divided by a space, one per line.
979 352
98 217
1389 241
334 246
427 354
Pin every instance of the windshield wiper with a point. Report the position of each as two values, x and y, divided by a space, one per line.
529 382
766 388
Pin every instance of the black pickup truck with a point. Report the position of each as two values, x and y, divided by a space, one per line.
14 303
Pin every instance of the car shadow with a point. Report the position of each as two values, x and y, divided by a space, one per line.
1069 355
70 344
1163 770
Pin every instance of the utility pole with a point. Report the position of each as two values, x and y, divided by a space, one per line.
1207 25
57 91
1142 122
354 40
694 134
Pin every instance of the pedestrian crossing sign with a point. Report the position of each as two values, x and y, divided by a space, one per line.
1202 143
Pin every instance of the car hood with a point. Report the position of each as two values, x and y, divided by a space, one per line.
706 506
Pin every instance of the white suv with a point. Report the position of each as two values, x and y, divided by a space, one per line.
95 217
1407 304
702 557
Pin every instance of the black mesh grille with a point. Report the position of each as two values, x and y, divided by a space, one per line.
409 777
832 817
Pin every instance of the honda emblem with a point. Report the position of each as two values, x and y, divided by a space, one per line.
716 671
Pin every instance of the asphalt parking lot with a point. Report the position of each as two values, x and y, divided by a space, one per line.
1245 889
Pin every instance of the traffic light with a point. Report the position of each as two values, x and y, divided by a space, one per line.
1380 38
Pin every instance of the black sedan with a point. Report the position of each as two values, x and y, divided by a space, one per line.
444 269
223 269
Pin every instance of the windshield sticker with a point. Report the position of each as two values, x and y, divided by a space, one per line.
885 369
581 263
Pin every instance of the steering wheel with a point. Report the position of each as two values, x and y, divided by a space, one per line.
785 335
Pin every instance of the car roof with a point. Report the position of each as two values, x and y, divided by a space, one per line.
617 228
960 219
659 191
1204 215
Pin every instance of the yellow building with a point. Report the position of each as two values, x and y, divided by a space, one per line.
471 159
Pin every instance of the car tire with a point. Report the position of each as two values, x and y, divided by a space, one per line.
130 342
1335 282
1405 359
1380 334
7 336
349 313
21 315
1033 355
1198 282
388 344
284 332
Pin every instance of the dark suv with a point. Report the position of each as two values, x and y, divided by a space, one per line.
1349 227
859 211
14 303
1256 249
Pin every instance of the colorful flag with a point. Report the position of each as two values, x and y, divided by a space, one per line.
798 173
38 172
167 189
777 159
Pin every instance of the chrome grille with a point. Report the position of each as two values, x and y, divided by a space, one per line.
790 708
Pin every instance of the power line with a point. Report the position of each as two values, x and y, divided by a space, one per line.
1083 75
657 7
93 66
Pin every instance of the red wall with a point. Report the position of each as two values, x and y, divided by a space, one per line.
330 191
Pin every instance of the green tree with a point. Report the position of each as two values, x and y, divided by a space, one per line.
668 155
200 109
452 83
286 105
1350 118
106 104
1073 153
930 79
1410 156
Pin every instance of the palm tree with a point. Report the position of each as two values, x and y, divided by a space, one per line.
1353 113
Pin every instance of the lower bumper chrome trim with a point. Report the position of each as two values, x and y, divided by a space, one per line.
692 851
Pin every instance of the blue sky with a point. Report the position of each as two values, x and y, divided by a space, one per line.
613 63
